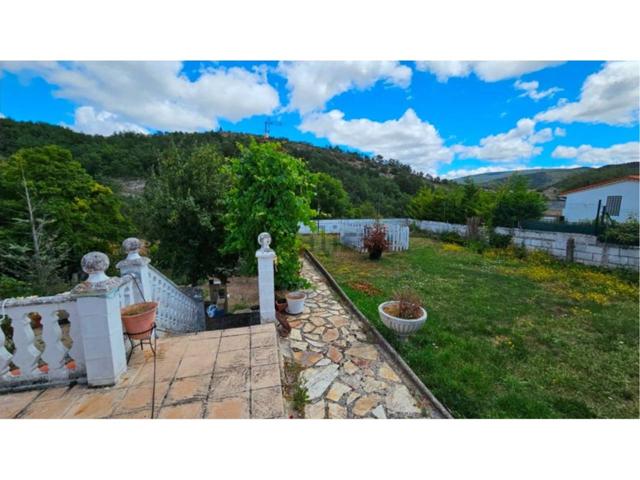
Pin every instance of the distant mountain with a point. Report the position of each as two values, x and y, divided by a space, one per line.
594 175
539 178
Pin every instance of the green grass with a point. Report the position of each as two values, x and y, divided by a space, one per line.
508 337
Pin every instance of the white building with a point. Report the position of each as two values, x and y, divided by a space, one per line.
620 196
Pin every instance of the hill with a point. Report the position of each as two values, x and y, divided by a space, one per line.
539 178
594 175
128 158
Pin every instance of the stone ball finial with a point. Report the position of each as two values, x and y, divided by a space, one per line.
95 264
132 247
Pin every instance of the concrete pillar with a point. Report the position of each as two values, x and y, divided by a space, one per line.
98 305
266 286
138 266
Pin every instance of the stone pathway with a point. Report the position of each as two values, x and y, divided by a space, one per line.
233 373
347 374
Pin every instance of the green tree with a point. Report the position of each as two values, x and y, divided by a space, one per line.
271 192
514 203
86 215
182 209
330 199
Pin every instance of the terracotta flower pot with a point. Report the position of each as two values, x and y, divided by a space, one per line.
138 319
281 304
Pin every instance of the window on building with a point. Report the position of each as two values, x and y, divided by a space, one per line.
613 205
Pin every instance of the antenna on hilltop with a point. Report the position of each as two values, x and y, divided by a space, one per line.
268 123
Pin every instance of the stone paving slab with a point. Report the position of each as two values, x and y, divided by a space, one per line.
232 373
347 374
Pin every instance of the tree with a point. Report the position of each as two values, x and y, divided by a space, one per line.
271 192
87 215
182 209
514 203
330 199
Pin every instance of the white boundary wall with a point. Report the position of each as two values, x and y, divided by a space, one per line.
588 250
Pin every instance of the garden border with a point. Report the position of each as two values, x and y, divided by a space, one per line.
386 346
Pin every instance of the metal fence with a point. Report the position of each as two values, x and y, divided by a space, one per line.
586 228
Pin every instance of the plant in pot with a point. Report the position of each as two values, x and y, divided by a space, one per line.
138 319
295 302
281 303
404 314
375 240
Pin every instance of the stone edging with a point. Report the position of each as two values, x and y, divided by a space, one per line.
386 346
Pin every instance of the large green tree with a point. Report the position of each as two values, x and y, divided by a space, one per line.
330 199
182 211
515 202
271 192
63 201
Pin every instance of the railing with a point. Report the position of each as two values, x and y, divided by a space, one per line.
177 311
43 342
352 235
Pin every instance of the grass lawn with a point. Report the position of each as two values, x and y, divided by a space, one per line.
507 337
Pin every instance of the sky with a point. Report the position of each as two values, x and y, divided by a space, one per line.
444 118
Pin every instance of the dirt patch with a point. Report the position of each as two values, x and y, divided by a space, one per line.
366 288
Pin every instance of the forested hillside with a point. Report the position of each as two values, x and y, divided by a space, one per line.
595 175
373 184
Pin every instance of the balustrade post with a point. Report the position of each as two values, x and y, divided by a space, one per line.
98 306
138 266
266 286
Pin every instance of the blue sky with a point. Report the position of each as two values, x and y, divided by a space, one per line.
442 118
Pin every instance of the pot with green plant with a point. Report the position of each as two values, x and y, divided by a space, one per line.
404 314
375 240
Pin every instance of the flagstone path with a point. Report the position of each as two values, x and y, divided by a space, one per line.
347 374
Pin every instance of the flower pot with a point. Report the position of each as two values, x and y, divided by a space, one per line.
138 319
295 302
281 304
403 327
375 254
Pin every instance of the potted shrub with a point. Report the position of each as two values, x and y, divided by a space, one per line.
138 319
375 240
404 314
295 302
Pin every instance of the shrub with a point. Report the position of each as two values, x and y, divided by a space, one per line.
622 233
478 246
452 237
407 304
499 240
375 240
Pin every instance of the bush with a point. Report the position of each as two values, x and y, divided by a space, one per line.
499 240
375 240
452 237
622 233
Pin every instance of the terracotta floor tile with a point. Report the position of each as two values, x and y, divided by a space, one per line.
264 356
233 407
205 335
139 397
265 376
263 339
265 327
12 403
232 359
267 403
48 409
194 366
202 348
238 342
97 404
230 382
188 388
186 410
53 393
230 332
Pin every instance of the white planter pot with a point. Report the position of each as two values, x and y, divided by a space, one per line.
295 302
402 327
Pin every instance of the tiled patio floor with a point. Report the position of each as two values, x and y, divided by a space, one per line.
231 373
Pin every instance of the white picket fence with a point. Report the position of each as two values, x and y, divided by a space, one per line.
352 234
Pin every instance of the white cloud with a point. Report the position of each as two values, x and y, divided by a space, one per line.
586 154
87 120
559 132
407 139
157 94
609 96
531 90
519 143
313 84
489 71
